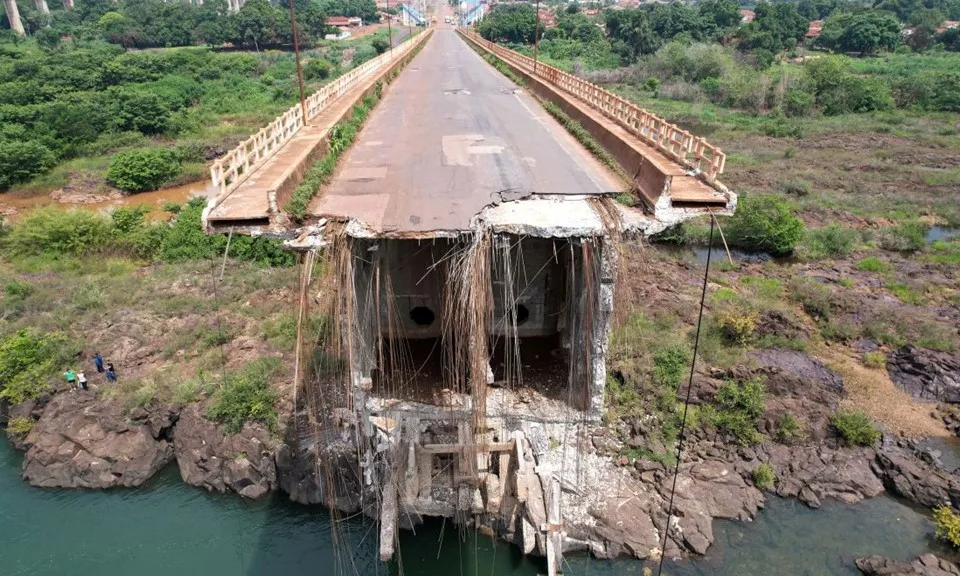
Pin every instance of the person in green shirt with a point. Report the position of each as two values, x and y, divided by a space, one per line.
71 377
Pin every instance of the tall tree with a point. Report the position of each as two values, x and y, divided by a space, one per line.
865 32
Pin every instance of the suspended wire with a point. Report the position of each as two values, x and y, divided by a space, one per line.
686 401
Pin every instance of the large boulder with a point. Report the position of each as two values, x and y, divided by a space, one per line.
926 373
708 490
926 565
80 442
210 458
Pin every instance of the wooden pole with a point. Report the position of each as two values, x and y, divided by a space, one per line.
536 38
296 52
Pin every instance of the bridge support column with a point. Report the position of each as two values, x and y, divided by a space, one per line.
13 16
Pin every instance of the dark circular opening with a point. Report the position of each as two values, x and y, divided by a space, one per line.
422 316
522 314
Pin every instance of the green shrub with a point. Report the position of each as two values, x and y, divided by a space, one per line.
317 69
855 428
876 359
380 44
764 476
57 232
948 525
788 429
21 161
907 237
764 224
30 362
815 298
738 326
141 170
830 241
186 240
246 396
18 428
872 264
735 410
670 365
17 290
794 187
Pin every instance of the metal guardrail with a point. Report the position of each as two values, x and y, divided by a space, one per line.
670 139
231 169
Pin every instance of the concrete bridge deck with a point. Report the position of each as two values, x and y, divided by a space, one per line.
451 136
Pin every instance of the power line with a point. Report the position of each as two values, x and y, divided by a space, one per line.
686 401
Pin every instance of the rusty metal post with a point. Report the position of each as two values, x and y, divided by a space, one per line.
536 37
296 52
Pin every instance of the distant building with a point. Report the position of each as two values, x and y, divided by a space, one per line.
814 29
547 19
948 25
747 16
344 21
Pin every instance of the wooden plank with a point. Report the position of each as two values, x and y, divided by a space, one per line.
425 470
459 448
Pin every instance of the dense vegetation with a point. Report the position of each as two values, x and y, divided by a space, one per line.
51 233
160 114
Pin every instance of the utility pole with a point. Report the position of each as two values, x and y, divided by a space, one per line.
536 38
390 27
296 52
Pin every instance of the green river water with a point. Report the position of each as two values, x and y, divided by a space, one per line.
169 529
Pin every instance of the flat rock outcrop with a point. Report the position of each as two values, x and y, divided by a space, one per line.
926 373
926 565
210 458
812 473
910 477
80 442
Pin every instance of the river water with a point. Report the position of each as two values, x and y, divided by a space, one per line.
167 528
13 207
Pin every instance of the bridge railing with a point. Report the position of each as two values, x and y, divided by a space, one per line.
231 169
673 141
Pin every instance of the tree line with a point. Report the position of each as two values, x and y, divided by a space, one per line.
849 26
155 23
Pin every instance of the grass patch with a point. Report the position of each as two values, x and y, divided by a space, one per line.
872 264
829 242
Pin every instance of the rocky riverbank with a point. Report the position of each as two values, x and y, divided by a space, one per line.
82 441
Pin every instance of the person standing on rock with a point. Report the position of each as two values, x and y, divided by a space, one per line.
111 374
98 362
82 380
70 377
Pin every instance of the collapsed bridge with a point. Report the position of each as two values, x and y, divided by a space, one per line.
458 275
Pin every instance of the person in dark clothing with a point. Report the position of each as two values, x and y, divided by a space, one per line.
111 374
98 362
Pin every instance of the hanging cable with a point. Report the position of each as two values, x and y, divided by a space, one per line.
686 401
